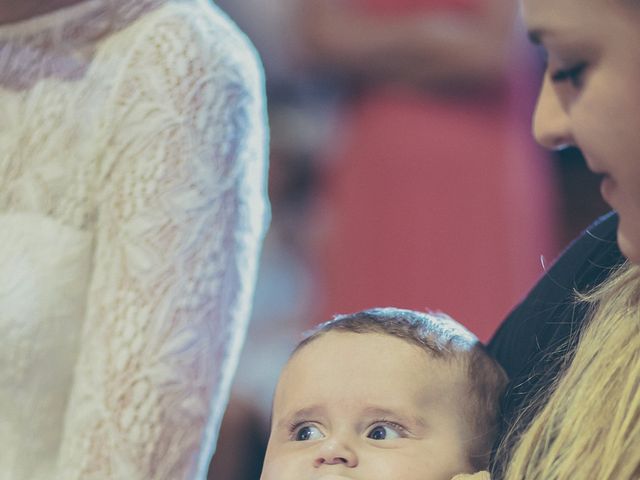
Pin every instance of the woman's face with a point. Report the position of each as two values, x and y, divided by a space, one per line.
590 97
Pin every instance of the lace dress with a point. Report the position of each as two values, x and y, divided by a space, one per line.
132 209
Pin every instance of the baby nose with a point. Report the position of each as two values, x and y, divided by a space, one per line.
335 452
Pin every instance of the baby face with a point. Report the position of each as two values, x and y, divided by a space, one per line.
368 407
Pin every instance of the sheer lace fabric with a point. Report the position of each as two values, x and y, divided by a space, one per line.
132 208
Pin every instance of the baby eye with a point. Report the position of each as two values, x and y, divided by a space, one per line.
306 432
573 75
385 432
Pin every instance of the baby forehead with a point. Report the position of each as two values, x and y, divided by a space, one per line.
357 363
363 386
347 345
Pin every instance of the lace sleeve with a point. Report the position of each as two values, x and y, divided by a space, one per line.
181 215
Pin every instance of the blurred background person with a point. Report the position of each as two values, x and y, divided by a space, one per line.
415 155
132 212
436 171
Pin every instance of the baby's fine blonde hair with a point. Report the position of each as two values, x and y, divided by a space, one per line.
590 427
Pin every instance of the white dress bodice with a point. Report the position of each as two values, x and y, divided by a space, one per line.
132 209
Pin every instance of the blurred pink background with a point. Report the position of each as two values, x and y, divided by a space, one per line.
403 173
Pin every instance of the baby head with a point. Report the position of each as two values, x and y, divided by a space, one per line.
384 394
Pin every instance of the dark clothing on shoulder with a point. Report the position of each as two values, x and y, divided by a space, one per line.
530 342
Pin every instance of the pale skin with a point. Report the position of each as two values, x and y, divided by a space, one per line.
368 407
16 10
590 96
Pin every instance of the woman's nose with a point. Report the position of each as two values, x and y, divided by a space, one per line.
334 451
551 125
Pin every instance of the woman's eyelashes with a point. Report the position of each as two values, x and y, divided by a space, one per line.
574 75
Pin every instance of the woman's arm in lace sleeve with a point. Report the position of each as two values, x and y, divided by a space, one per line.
181 216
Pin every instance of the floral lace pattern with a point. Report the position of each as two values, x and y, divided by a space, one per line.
132 209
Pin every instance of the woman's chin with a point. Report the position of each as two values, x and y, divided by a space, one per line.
629 244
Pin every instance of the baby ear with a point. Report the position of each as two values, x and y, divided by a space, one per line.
474 476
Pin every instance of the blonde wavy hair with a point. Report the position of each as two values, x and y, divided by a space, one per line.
590 427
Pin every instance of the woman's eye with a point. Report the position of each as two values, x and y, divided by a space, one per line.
385 432
573 75
307 432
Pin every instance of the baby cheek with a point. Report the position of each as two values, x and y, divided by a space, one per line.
425 465
390 465
269 472
280 466
410 472
268 468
